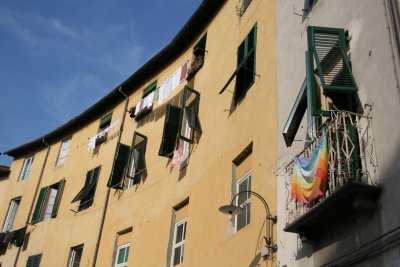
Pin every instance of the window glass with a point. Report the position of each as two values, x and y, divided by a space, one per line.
26 168
62 156
11 214
122 255
179 242
76 255
243 200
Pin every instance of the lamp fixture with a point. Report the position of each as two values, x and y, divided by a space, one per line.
233 209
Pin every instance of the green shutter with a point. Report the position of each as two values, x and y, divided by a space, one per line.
105 121
190 103
57 201
328 46
172 125
39 205
34 261
120 162
296 115
150 88
246 65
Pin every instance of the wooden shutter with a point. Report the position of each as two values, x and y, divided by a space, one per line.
34 261
104 122
296 115
328 46
172 125
137 157
57 201
245 71
39 205
120 162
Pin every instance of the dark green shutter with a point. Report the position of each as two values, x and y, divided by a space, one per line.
57 201
296 115
137 156
105 121
39 205
328 46
34 261
172 125
150 88
245 71
120 162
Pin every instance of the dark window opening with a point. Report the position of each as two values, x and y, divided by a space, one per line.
86 195
199 52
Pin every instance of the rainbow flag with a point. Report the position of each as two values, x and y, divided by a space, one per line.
310 175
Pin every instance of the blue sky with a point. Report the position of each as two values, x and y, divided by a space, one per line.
59 57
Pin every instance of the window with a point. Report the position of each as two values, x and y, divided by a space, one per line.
121 259
243 200
179 242
145 105
119 164
86 195
173 123
48 202
137 161
34 261
104 123
62 156
11 214
246 65
336 87
75 256
26 167
199 52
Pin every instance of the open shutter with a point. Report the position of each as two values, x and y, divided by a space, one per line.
57 201
39 205
172 125
137 160
328 46
120 162
34 261
296 115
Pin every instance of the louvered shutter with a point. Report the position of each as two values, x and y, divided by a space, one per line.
39 205
57 201
120 162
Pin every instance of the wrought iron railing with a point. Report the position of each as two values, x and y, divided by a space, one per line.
351 158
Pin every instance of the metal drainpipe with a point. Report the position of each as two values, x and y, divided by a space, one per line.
103 216
34 195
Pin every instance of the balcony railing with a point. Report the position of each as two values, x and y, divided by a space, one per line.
352 171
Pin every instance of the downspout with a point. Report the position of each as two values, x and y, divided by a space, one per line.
103 216
34 195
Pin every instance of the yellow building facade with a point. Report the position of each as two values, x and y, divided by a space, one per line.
138 178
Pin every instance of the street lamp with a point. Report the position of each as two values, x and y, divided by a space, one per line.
233 209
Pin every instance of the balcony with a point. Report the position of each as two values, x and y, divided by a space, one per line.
352 184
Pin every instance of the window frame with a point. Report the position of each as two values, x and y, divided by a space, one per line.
72 255
133 175
62 158
42 204
127 247
245 205
198 57
26 168
180 244
12 206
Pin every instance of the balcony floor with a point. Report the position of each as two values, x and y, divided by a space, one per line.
343 202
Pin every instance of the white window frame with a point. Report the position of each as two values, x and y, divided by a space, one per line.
49 203
180 244
11 214
125 263
26 167
73 255
64 150
246 204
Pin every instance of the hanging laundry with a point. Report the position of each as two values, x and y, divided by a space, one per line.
310 175
161 94
176 79
167 87
150 99
184 68
176 159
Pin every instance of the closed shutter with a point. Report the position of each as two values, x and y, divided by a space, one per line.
34 261
57 201
39 205
172 125
119 165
